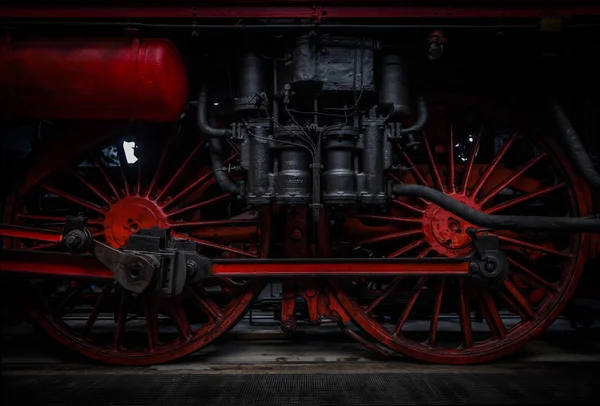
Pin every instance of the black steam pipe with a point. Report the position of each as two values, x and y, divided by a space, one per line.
214 141
219 168
202 120
420 123
574 146
500 222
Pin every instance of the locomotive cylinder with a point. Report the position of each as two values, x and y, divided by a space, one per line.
85 79
292 181
339 178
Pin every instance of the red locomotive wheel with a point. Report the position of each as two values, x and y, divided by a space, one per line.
468 153
169 186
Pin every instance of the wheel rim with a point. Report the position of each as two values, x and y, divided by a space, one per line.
543 273
98 318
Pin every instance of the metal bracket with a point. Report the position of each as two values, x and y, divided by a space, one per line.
151 258
489 263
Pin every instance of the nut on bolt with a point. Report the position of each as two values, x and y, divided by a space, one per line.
296 234
75 240
490 266
191 267
474 266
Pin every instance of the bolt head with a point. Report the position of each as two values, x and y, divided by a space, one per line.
474 266
191 267
490 266
75 239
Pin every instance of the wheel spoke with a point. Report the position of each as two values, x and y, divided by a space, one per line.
465 314
532 278
437 305
174 178
511 179
121 319
532 246
409 306
384 294
161 163
435 173
206 304
407 206
388 237
213 245
140 163
491 315
524 198
194 185
94 189
70 300
231 285
200 205
213 223
471 162
406 249
387 218
97 307
424 253
75 199
122 163
492 166
180 320
109 182
151 322
451 180
413 167
517 300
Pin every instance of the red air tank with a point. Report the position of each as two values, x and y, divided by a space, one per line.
86 79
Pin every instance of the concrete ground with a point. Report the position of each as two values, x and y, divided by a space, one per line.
249 348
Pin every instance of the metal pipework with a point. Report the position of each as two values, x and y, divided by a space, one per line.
421 121
372 190
250 79
574 146
255 128
499 222
256 159
393 89
202 118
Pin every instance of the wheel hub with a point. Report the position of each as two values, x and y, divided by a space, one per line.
446 232
129 216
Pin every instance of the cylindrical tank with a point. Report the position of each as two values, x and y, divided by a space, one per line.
393 92
85 79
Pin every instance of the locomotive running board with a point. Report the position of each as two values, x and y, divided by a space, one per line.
70 265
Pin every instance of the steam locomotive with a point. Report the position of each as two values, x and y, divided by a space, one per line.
425 173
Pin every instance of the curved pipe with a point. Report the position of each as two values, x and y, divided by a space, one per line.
498 221
202 114
215 135
219 168
574 145
420 123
